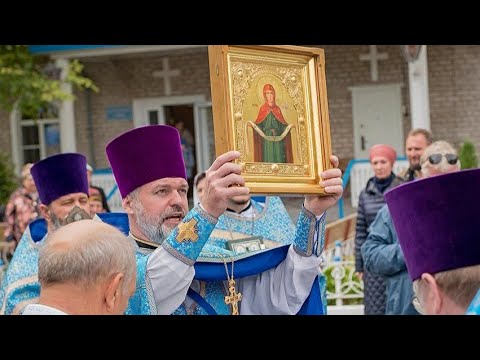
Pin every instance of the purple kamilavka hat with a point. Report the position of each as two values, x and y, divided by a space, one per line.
60 175
145 154
436 221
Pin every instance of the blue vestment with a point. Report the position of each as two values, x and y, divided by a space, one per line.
474 307
277 230
21 286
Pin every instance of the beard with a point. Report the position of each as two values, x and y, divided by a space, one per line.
75 214
152 226
56 221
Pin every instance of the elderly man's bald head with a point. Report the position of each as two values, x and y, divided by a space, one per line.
79 233
85 252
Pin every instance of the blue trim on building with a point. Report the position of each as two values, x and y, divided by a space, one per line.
45 49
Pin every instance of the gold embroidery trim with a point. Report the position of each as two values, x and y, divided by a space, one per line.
146 242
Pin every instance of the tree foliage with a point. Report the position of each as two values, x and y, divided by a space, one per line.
32 81
8 180
468 157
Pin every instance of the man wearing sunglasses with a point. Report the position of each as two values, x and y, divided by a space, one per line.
381 251
439 158
417 141
439 240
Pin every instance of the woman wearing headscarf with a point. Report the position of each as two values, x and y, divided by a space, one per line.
382 157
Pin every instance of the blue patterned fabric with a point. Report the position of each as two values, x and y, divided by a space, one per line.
186 245
142 302
307 226
322 284
208 269
213 292
20 285
272 220
474 307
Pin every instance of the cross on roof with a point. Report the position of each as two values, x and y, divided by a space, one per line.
373 56
166 74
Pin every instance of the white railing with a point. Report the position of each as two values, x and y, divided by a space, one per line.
105 180
339 268
360 174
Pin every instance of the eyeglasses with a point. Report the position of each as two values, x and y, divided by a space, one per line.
434 159
416 302
418 306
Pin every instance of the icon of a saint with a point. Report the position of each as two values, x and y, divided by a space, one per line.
271 133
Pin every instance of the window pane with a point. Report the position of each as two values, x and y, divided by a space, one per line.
30 135
52 139
31 155
153 117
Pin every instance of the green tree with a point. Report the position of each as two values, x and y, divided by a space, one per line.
32 82
8 180
468 157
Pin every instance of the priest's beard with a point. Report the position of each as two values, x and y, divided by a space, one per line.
75 214
152 226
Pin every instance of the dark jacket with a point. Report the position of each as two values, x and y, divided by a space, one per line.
370 201
382 255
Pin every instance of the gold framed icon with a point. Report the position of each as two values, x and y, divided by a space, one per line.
270 104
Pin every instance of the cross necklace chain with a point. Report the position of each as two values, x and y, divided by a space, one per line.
233 298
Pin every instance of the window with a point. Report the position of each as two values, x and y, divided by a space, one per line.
39 138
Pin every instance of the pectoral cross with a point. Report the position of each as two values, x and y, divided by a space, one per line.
233 298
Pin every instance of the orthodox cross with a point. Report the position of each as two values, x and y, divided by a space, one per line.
234 297
373 56
166 74
187 231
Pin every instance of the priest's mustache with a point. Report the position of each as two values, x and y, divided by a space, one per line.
173 210
76 214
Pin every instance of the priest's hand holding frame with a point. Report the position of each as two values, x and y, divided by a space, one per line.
333 184
219 180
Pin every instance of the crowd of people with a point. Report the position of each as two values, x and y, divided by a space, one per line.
183 262
415 247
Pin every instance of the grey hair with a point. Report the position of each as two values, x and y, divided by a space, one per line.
460 285
102 254
441 147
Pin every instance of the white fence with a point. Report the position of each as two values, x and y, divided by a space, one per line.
339 267
360 174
